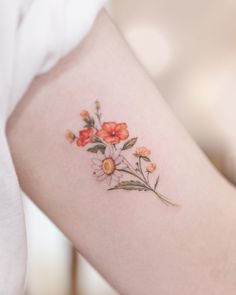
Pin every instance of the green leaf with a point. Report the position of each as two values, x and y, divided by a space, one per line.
130 143
96 139
89 122
92 121
96 148
156 183
142 157
130 185
145 159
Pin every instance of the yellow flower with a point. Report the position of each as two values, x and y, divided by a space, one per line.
151 167
143 151
84 114
70 136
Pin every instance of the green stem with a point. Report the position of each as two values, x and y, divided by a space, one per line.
147 185
164 199
141 170
130 166
135 175
148 177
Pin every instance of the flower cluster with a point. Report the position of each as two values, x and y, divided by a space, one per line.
109 141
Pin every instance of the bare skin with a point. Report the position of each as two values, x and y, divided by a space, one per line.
138 243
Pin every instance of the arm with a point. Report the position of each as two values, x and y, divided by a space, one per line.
141 245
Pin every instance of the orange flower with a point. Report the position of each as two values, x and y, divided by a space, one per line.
84 114
113 133
142 152
85 137
70 136
151 167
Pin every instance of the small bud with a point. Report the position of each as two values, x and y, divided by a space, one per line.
151 167
70 136
98 106
142 151
84 114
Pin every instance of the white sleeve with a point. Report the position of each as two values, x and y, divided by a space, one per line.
34 34
47 31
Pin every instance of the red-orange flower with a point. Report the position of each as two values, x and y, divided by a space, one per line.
85 137
112 132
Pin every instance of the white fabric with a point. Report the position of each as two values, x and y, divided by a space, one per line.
35 34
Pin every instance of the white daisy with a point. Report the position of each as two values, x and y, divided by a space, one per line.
105 165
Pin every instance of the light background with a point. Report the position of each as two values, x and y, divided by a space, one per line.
188 48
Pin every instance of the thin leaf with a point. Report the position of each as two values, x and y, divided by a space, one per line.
142 157
130 143
86 120
92 121
130 185
156 183
89 122
146 159
97 139
96 148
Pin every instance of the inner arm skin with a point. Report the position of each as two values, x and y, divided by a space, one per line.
140 245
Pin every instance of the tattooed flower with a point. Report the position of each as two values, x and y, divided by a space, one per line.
106 166
70 136
151 167
84 114
109 162
113 133
85 136
142 152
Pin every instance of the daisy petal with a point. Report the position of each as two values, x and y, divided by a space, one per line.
108 151
99 173
96 167
115 177
100 155
122 165
118 173
118 160
96 161
102 177
116 154
108 179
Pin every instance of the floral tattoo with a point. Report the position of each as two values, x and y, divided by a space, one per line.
109 141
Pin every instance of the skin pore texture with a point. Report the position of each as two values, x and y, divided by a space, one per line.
140 245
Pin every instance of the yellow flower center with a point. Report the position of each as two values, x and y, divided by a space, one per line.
108 166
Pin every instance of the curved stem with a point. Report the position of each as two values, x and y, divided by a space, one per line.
130 172
164 199
148 177
129 165
141 170
160 196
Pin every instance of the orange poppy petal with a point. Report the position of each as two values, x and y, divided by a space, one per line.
102 133
121 126
80 142
90 131
123 134
86 132
109 126
112 139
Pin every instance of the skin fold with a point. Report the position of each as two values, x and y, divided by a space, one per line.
140 245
